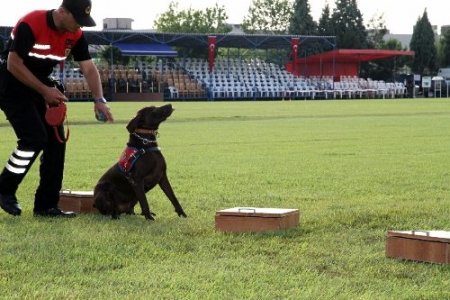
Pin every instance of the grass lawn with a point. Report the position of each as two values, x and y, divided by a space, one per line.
355 169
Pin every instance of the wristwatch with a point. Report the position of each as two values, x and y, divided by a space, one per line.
100 100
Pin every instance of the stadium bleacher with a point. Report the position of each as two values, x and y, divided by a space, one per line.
231 79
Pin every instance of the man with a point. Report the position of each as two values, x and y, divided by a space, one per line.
39 41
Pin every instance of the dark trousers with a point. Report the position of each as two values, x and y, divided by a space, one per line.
27 117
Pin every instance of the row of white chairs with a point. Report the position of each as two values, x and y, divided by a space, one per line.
235 78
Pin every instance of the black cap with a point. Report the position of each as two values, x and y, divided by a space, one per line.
81 11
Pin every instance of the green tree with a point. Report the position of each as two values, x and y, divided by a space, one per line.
401 62
268 16
445 50
113 55
386 69
423 44
325 26
211 20
302 22
348 25
376 31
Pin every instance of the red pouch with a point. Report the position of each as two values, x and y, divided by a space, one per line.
55 117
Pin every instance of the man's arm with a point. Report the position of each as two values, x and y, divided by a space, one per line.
17 68
18 49
90 73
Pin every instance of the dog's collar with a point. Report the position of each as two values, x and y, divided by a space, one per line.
146 131
144 140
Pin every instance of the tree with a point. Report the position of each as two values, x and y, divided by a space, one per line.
268 16
423 44
325 26
212 20
388 68
445 50
400 62
113 55
348 25
302 22
377 30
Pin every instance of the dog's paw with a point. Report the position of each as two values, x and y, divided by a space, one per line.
181 214
150 213
150 218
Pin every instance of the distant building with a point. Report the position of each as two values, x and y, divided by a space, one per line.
117 23
445 29
435 30
404 39
236 29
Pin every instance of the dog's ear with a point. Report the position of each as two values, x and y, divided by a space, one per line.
134 123
139 120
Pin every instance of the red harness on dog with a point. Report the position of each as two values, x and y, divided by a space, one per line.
130 155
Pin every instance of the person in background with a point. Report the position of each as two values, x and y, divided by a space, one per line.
39 41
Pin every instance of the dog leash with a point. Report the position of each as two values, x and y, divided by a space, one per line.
66 138
62 139
58 137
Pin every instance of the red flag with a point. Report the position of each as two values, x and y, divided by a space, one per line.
211 51
294 49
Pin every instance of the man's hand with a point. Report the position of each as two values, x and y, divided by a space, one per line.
102 112
53 96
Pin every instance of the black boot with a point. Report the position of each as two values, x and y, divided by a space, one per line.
9 204
54 212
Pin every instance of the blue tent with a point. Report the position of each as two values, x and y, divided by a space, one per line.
137 49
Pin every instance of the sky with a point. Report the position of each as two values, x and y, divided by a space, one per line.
399 15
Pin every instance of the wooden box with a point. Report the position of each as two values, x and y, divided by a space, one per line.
426 246
77 201
252 219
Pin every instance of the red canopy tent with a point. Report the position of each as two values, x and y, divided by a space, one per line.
339 62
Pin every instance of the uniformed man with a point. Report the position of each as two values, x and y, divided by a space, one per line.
39 41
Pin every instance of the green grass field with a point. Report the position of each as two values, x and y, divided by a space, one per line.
355 169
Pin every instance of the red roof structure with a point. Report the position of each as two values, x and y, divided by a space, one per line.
340 61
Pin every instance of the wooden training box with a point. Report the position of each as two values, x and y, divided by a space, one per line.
426 246
77 201
252 219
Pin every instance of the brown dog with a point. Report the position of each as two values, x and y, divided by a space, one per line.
140 168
